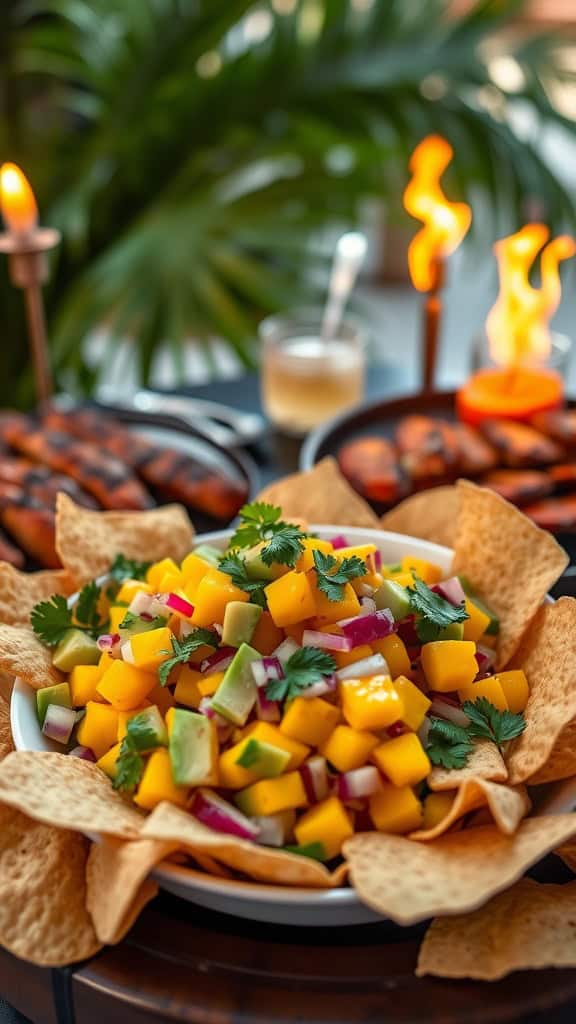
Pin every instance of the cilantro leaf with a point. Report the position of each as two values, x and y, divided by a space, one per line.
488 722
136 622
234 567
433 612
183 650
249 755
259 523
51 620
86 608
284 547
449 745
303 668
332 574
140 738
123 568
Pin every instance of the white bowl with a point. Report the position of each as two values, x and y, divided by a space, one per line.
274 904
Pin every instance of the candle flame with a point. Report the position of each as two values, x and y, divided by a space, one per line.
517 325
17 202
445 223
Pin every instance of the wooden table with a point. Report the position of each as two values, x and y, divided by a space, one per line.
187 964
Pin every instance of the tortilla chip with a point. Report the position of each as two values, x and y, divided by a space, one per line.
263 863
529 927
43 916
320 495
66 792
506 805
20 591
210 866
509 561
430 515
6 741
88 541
22 654
485 762
118 886
548 657
460 871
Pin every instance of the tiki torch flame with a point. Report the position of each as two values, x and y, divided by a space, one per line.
445 223
517 325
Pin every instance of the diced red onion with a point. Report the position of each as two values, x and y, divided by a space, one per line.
446 698
185 629
126 650
374 664
59 723
265 670
327 684
267 710
368 605
108 641
451 590
272 828
218 628
218 661
179 605
314 775
378 560
221 816
339 541
140 603
361 782
423 731
396 729
407 632
325 641
443 709
205 708
485 657
365 590
366 628
85 753
286 649
159 606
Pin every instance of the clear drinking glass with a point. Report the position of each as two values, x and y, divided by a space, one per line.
307 379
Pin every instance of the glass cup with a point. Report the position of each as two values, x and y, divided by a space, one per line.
557 359
308 379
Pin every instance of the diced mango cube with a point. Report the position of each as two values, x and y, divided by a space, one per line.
371 579
158 570
162 697
170 582
393 650
116 615
107 763
515 688
348 748
130 588
415 702
266 637
268 733
125 716
312 544
214 592
193 570
149 650
327 611
395 810
343 658
449 664
327 823
489 688
403 760
208 685
106 660
436 807
157 783
290 599
99 728
186 691
427 571
270 796
83 682
477 622
309 720
404 579
233 775
125 686
365 552
370 703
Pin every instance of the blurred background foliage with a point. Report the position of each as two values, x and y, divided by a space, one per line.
194 152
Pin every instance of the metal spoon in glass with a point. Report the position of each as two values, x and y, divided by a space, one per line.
348 258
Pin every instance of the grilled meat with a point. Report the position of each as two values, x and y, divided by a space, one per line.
475 453
173 475
42 482
371 465
30 523
559 424
555 514
563 477
521 445
10 553
520 486
429 449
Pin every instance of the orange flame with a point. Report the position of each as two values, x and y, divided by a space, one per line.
445 223
17 202
517 324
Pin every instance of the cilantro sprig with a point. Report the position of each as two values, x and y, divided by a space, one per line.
304 668
332 575
262 522
234 567
433 612
450 745
139 738
123 568
52 619
182 650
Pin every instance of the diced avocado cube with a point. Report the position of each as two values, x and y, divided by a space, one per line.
315 851
135 625
209 554
147 729
494 627
264 759
394 597
236 695
75 648
256 567
193 748
240 621
59 694
455 631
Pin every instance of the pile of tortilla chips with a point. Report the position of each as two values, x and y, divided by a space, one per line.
467 872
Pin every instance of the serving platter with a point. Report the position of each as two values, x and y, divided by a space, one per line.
254 901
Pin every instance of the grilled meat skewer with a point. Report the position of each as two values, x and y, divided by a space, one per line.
42 482
371 465
520 486
521 445
31 524
428 448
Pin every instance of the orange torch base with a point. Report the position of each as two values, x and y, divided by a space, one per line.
513 394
